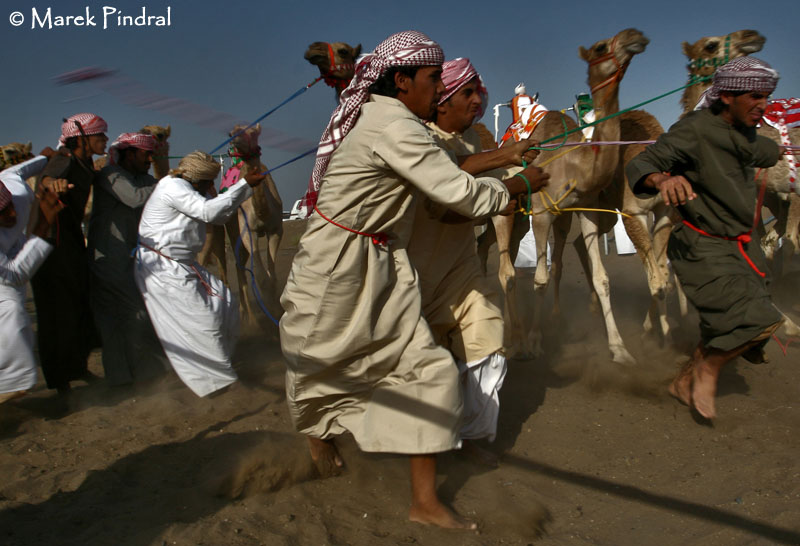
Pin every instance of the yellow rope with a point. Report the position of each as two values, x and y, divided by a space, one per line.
555 210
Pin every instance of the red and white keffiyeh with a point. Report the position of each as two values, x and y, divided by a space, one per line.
742 74
130 140
5 196
90 124
455 75
410 48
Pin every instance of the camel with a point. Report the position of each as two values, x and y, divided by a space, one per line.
336 62
161 152
576 178
259 216
14 153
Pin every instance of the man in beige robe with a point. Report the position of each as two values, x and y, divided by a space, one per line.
458 302
360 357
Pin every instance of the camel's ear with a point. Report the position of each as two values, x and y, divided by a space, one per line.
687 49
169 131
357 51
27 148
584 53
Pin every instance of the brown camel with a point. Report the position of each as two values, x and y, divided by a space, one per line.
336 62
161 152
259 216
14 153
576 178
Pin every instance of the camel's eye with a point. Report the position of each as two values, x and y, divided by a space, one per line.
600 48
711 47
344 53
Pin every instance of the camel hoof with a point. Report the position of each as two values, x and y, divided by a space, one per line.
622 356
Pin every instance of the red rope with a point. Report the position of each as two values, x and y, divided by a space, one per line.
209 289
781 345
378 239
744 237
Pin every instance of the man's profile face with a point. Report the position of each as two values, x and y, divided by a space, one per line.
746 109
421 94
140 161
8 216
96 144
461 108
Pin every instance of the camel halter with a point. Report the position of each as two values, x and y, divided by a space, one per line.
715 62
330 79
618 75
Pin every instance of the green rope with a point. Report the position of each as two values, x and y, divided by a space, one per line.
522 176
694 81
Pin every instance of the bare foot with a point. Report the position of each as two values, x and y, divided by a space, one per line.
681 386
704 389
6 396
476 453
325 456
439 515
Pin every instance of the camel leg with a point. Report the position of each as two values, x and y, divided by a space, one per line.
485 242
589 227
214 247
241 258
580 248
541 231
560 231
662 228
793 224
503 227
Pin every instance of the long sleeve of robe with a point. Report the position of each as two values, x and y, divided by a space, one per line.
194 314
17 362
719 161
360 356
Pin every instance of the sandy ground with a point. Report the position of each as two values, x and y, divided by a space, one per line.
591 453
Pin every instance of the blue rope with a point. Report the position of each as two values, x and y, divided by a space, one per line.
256 291
292 97
301 156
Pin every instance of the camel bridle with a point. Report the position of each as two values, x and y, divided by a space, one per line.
330 79
617 76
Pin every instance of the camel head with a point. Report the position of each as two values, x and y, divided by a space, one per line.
14 153
161 135
711 52
608 59
336 62
245 143
708 53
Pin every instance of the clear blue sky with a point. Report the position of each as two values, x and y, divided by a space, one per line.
243 58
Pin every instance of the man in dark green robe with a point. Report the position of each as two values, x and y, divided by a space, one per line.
705 165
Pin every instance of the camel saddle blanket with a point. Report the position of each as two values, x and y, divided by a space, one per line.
784 112
231 177
529 117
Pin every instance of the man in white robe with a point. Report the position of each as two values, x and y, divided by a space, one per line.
194 314
360 356
20 257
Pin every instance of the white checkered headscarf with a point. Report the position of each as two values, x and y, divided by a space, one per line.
742 74
410 48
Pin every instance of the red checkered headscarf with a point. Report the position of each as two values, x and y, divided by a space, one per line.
742 74
455 75
130 140
90 124
410 48
5 196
